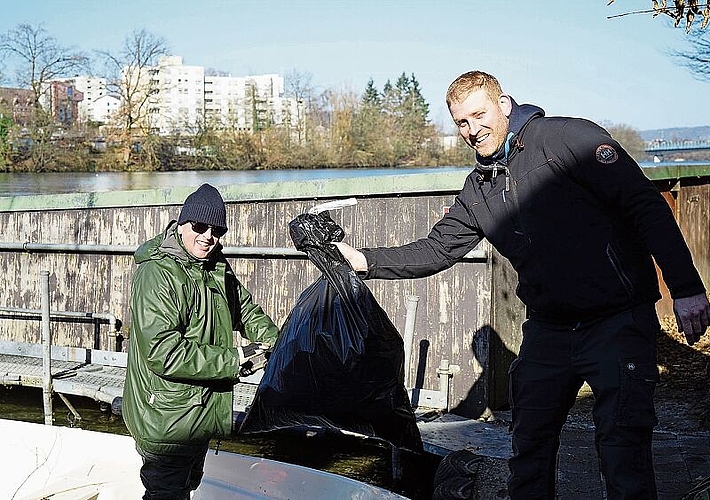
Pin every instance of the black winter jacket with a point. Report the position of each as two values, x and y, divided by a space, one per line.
571 211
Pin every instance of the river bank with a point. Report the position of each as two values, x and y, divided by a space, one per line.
48 183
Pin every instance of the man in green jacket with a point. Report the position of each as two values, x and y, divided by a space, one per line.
189 313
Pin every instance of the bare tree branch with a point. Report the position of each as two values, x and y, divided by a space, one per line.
128 77
680 11
696 58
42 59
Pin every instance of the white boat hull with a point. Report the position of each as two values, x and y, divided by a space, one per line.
63 463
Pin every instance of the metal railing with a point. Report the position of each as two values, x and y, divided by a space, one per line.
477 254
112 336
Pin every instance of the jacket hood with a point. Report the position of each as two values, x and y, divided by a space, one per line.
520 115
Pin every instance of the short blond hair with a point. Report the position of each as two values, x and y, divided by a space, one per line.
470 82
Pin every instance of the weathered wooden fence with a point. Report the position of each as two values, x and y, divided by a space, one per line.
467 315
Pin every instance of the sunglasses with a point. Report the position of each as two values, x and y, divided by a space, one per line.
201 228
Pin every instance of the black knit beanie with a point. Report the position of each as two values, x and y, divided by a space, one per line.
204 205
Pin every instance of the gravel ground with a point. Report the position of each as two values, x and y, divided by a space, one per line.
683 394
682 400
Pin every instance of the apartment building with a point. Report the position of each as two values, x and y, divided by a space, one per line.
183 99
98 105
178 99
246 103
62 99
17 104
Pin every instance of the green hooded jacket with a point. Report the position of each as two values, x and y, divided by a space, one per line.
182 363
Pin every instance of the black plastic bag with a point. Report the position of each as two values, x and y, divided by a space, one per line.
339 361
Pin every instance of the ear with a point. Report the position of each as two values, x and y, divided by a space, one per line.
505 104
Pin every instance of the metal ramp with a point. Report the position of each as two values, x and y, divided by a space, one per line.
90 373
99 382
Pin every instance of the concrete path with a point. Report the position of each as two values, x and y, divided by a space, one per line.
481 449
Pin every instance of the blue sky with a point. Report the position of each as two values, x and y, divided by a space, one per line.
563 55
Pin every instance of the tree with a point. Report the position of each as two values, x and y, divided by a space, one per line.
680 11
371 144
408 115
630 140
300 87
696 58
413 110
41 58
129 78
392 127
5 125
371 97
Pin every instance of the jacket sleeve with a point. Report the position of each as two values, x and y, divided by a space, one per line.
449 241
158 302
600 163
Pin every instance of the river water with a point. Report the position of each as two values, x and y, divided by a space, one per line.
24 184
48 183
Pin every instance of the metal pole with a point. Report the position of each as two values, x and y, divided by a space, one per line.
412 302
111 335
443 373
46 351
243 251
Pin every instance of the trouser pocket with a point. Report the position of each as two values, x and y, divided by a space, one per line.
637 382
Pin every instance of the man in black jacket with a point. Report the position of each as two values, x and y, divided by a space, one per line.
581 225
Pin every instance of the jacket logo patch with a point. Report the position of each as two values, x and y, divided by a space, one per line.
606 154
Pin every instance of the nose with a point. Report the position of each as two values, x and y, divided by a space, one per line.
470 133
464 130
473 131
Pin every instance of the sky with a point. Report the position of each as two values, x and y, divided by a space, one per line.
566 56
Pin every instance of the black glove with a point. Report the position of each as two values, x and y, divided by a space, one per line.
252 357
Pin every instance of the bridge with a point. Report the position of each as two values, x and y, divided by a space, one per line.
659 146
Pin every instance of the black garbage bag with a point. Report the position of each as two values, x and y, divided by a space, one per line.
339 361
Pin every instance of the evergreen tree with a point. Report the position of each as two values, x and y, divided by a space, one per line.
389 98
368 130
371 97
419 105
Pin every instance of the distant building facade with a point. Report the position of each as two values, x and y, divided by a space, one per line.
98 105
64 102
61 99
17 104
247 103
178 99
182 99
176 94
103 109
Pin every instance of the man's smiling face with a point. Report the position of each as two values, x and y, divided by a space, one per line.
199 245
482 121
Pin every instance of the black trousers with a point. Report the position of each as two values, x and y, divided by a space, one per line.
616 356
172 477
